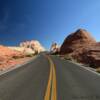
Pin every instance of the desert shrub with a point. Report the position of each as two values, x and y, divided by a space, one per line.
68 57
29 55
15 57
71 58
98 70
36 52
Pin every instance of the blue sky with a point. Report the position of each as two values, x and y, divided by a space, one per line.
47 20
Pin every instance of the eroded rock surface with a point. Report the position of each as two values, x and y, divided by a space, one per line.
82 47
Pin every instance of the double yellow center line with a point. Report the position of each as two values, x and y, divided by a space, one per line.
51 90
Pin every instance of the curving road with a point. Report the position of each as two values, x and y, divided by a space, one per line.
49 78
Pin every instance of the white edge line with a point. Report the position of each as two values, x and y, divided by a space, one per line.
84 68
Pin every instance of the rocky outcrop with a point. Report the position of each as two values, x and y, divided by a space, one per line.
91 55
29 47
6 52
24 50
83 47
34 45
76 40
10 56
54 48
7 57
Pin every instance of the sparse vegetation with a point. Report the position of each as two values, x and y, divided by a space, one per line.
30 55
98 70
68 57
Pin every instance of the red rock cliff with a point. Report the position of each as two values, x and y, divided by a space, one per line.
83 47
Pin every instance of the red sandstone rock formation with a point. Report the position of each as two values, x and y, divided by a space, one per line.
81 46
10 56
6 52
76 40
6 57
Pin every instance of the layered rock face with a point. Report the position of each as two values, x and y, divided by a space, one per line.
9 53
10 56
91 55
6 57
83 47
29 47
34 45
76 40
54 48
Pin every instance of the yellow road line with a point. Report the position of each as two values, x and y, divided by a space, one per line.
51 91
54 91
47 95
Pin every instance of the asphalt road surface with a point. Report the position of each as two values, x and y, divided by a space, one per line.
49 78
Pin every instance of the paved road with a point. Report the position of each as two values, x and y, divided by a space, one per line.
49 78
